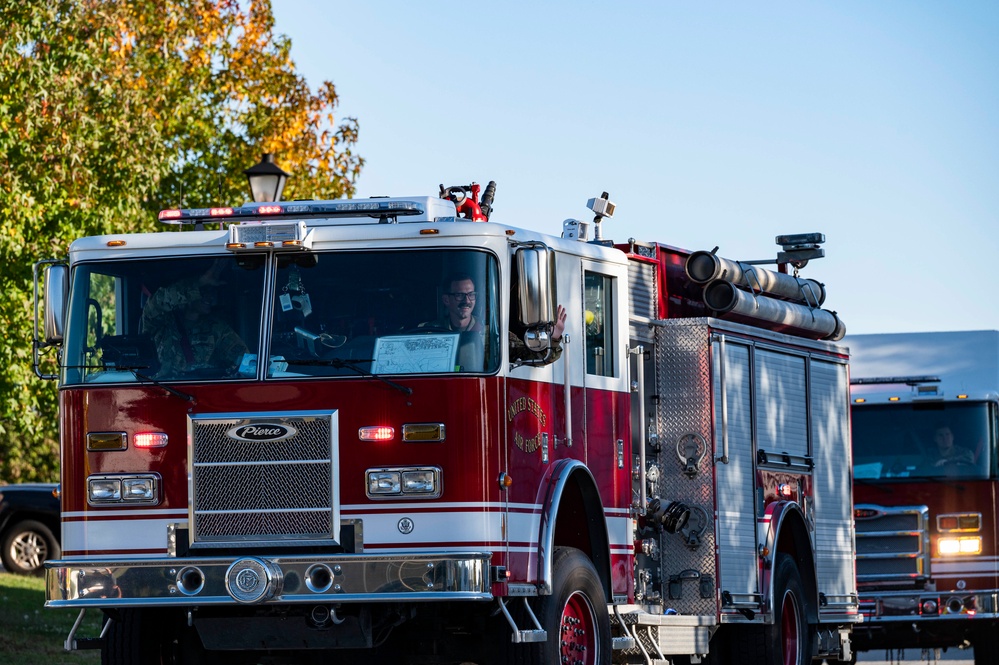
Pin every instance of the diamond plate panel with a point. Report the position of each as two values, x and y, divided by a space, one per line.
683 383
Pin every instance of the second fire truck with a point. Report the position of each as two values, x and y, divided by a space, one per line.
333 463
925 414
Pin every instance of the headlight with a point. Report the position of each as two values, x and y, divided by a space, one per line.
404 482
125 488
138 489
959 546
423 481
384 482
104 490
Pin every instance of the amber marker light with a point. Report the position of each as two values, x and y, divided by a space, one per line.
116 243
893 399
859 400
505 481
429 232
376 433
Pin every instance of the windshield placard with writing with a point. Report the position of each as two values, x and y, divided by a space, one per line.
415 354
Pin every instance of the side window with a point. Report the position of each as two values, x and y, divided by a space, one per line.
102 309
598 306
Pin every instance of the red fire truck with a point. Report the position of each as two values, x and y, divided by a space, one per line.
357 428
924 440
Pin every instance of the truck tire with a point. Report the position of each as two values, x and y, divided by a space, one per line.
128 640
986 647
575 614
149 637
26 546
788 640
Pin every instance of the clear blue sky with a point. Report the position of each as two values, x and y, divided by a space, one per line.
723 123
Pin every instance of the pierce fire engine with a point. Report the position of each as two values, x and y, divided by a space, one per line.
357 427
925 409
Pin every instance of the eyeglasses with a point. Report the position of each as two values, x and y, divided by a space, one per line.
462 297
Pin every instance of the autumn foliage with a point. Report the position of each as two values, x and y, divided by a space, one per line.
113 109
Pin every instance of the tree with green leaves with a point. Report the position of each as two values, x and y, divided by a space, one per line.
113 109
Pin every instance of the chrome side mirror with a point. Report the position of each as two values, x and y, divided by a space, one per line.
536 285
56 295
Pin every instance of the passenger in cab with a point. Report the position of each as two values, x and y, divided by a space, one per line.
188 335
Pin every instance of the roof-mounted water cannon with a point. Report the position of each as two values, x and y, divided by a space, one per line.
800 248
601 207
466 200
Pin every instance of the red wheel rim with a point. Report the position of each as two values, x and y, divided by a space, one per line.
789 628
577 632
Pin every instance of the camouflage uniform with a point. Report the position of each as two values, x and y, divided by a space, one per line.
183 344
519 351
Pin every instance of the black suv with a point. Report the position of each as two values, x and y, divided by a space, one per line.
29 520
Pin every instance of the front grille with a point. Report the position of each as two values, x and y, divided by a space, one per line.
892 545
253 491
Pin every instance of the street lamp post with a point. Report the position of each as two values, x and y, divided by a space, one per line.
266 179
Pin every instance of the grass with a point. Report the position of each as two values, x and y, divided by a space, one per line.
32 634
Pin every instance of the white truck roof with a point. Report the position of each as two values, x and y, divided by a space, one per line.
966 362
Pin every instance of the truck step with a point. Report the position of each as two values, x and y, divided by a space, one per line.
80 643
530 636
518 636
619 643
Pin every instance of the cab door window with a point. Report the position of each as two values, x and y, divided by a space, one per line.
598 309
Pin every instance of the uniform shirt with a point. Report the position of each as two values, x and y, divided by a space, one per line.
182 344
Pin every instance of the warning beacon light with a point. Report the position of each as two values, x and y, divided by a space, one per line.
800 247
602 207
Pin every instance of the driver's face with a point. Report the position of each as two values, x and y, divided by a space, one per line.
944 439
458 300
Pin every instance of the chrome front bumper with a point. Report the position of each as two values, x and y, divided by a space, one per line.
911 606
252 580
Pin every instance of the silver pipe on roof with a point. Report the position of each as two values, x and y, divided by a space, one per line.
723 297
703 267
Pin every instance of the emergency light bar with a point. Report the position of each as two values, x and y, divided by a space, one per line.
269 235
907 380
298 209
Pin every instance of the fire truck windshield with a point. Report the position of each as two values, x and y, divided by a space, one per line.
327 314
164 319
933 441
385 312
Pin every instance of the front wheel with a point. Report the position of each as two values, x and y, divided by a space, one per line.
787 641
575 614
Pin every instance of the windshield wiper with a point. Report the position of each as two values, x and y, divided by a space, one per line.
173 391
138 375
341 363
145 377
